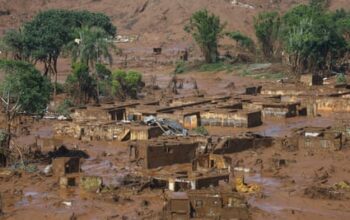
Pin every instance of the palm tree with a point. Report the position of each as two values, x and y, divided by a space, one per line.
91 46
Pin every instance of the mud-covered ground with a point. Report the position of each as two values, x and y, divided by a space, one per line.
287 190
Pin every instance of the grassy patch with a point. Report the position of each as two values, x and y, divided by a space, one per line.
262 75
216 67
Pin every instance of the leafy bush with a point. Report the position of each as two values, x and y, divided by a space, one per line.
59 87
201 130
80 85
341 79
180 67
216 67
103 72
206 29
312 38
242 40
64 107
25 83
266 30
126 83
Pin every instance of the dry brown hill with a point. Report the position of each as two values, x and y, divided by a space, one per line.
156 21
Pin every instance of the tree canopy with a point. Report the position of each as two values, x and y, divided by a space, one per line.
43 38
23 89
206 29
266 30
314 38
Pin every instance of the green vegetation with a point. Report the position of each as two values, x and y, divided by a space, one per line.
201 130
43 38
80 85
23 90
242 40
180 67
313 38
24 87
262 75
216 67
266 30
126 84
341 79
64 107
90 46
206 29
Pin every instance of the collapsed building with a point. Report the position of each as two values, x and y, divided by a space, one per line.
227 145
205 171
69 173
163 152
204 204
67 170
319 138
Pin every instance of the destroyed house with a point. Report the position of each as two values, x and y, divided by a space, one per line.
175 180
231 118
205 204
67 170
103 113
319 138
211 161
158 153
48 144
62 166
187 118
90 131
275 109
110 131
243 142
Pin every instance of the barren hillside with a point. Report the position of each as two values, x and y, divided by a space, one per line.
156 21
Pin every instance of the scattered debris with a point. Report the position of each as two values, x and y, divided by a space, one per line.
242 187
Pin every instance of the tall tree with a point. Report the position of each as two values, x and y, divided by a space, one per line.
44 37
206 29
266 26
23 90
313 38
91 46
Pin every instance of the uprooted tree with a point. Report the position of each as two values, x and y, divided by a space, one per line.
22 90
206 29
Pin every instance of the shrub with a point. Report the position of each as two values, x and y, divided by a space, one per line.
180 67
201 130
64 107
341 79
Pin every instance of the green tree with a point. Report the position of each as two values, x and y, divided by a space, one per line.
313 39
242 40
126 84
91 46
266 26
14 43
43 38
80 85
206 29
23 90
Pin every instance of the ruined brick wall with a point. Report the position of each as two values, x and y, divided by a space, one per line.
228 119
254 119
320 143
169 154
333 104
206 182
233 145
94 114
